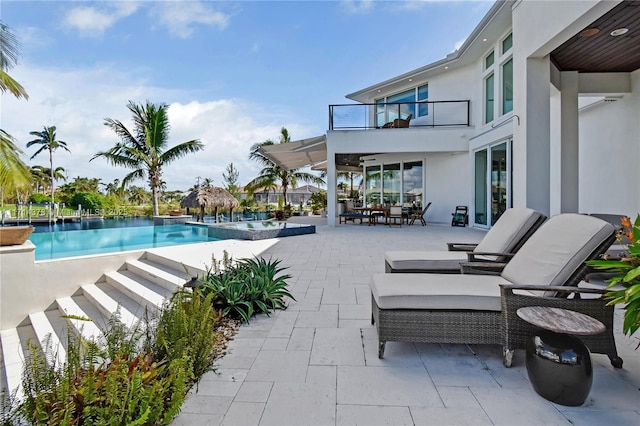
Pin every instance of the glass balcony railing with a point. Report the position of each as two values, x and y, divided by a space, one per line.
399 115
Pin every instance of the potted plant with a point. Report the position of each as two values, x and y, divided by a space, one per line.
624 286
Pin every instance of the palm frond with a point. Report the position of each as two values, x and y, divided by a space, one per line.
181 150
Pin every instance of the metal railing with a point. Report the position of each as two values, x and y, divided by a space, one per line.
393 115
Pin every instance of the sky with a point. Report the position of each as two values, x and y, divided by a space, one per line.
232 73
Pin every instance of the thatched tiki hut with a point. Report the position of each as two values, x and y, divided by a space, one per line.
210 196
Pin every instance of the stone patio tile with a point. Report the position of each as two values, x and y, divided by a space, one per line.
363 293
449 416
319 319
443 363
275 344
322 375
243 413
208 405
275 366
324 284
399 355
354 323
588 417
357 312
339 296
610 392
216 388
190 419
301 339
254 392
246 352
386 386
260 322
248 333
337 346
225 375
283 325
457 397
517 407
373 415
234 362
300 403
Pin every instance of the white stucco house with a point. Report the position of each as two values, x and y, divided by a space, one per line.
540 107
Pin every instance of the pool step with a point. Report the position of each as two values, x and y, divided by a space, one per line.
12 359
107 305
174 265
137 288
158 273
47 336
82 322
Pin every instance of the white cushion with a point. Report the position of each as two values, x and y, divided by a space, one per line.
437 291
508 230
557 249
431 260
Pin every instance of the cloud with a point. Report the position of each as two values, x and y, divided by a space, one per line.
82 98
357 7
180 17
93 22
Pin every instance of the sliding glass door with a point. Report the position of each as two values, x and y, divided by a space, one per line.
492 186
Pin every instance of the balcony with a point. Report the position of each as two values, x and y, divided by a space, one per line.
427 114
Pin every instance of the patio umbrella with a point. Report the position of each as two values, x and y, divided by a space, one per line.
210 196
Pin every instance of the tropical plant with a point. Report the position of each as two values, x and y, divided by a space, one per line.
39 198
14 173
230 178
138 195
271 172
624 286
81 184
242 288
88 200
145 150
318 200
47 140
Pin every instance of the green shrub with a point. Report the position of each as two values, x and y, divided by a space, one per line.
240 289
88 200
40 198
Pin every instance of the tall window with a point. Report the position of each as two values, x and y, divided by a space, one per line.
407 99
498 181
412 184
488 60
507 86
492 186
373 185
507 43
489 97
480 187
391 184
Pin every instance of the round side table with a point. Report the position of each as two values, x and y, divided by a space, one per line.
558 363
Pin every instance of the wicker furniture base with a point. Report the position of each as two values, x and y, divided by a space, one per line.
435 326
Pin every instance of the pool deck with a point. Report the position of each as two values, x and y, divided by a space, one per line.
316 362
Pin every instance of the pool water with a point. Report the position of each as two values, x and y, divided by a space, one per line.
55 245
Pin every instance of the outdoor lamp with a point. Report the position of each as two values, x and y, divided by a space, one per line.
193 283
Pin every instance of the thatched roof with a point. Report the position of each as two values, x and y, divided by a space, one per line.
210 197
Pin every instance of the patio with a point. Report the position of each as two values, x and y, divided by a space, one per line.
317 363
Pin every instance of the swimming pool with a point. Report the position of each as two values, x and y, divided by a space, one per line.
56 245
259 230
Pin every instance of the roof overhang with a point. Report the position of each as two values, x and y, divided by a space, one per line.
297 154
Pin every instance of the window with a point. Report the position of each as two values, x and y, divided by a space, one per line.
407 101
412 184
488 61
391 184
423 96
480 189
489 98
507 86
373 185
507 43
492 183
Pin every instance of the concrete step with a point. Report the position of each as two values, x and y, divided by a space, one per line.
47 335
103 299
174 264
84 327
137 288
157 273
12 359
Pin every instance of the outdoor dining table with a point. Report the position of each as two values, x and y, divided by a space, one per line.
373 212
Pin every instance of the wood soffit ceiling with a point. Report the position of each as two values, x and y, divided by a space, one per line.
603 52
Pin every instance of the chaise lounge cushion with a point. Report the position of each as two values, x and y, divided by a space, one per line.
503 237
547 260
433 291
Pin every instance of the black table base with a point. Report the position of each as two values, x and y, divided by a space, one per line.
559 367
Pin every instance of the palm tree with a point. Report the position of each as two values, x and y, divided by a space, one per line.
13 172
145 150
47 141
271 172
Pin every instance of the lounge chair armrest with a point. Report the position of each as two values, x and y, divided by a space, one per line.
508 288
461 246
471 256
482 268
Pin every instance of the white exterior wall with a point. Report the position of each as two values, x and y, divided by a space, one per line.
447 185
609 155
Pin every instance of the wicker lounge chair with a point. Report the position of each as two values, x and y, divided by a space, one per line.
508 234
475 309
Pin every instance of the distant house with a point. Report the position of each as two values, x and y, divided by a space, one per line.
539 107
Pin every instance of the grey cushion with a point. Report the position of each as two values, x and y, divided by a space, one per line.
425 260
436 291
505 234
557 249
